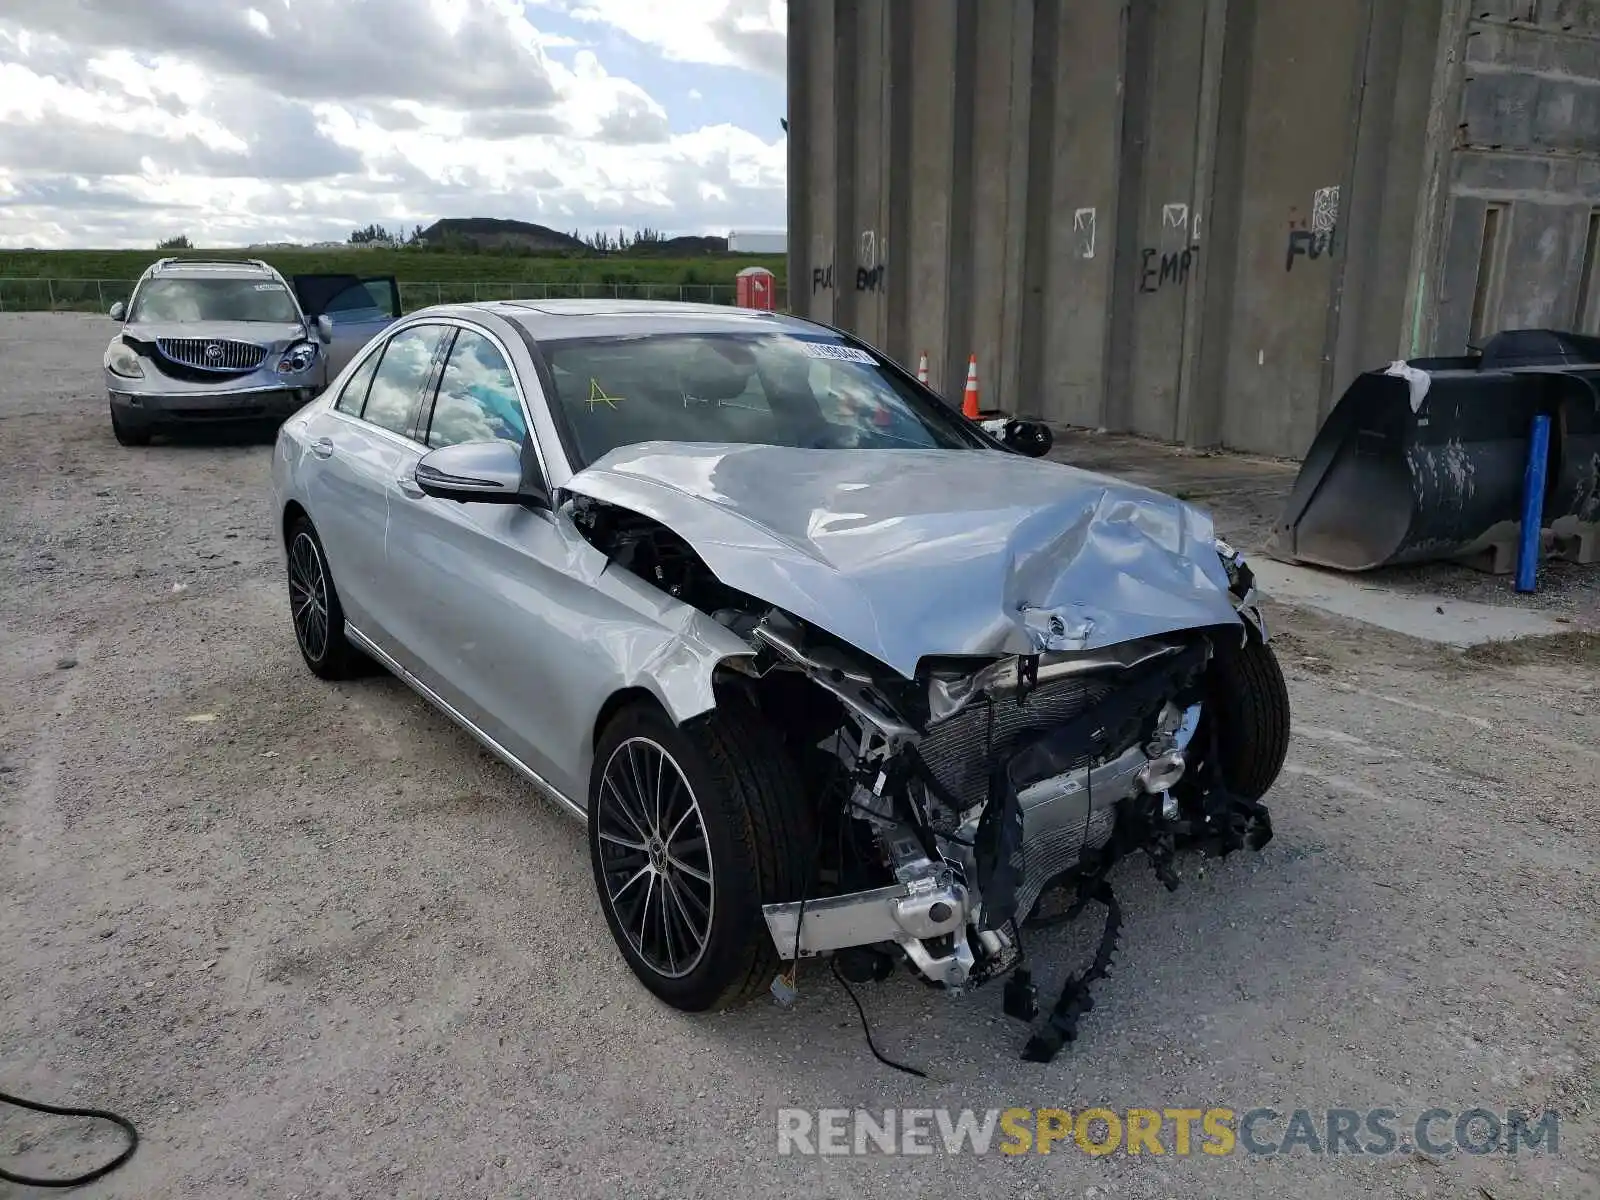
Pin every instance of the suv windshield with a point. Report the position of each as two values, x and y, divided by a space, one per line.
769 389
214 300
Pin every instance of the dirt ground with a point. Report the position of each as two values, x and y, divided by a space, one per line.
316 943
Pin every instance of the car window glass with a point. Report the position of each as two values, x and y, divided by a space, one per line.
767 389
354 393
370 300
477 399
183 300
406 367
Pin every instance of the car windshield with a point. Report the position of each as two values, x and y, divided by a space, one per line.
769 389
214 300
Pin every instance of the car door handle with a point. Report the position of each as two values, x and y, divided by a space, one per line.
322 447
409 486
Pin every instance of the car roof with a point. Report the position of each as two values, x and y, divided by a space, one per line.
553 320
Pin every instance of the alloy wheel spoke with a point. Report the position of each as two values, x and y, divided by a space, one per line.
640 793
682 909
660 889
692 872
632 879
626 811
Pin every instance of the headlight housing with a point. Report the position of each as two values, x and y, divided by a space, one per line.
122 360
297 358
1240 577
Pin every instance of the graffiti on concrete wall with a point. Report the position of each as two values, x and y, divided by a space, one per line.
1083 222
1315 237
1325 210
1171 262
872 271
1171 267
869 279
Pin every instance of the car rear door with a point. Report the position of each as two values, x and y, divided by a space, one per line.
358 444
358 307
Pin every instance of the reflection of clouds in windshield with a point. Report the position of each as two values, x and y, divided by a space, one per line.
477 397
182 300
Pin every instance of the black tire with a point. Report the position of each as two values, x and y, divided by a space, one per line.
128 435
326 650
757 832
1247 693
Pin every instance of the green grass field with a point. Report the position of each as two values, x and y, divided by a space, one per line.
89 279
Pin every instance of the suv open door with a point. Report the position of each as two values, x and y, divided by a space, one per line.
357 307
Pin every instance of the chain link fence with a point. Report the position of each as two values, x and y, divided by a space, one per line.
98 295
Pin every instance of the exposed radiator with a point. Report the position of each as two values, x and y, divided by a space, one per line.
958 751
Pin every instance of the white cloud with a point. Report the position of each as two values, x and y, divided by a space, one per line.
301 120
736 33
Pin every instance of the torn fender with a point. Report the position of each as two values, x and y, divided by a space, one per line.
909 553
675 656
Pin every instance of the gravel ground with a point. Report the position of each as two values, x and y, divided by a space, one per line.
316 943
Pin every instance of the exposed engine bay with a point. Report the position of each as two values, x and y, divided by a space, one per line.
983 796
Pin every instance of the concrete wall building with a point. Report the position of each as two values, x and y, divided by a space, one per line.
1191 219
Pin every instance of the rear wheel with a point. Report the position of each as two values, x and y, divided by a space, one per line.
1247 695
691 830
315 610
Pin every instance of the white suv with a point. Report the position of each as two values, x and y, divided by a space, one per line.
232 341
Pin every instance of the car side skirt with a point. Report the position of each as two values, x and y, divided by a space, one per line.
368 646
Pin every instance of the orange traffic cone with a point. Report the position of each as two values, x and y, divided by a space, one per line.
969 397
922 369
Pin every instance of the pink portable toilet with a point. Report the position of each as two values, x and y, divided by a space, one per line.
757 289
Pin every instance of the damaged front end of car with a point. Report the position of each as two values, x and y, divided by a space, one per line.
982 794
990 791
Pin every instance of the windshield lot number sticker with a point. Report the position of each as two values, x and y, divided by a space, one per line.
835 353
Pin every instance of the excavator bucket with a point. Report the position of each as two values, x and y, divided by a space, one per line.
1425 460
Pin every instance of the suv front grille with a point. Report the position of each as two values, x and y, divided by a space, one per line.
213 354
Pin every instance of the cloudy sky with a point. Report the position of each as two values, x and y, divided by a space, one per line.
239 121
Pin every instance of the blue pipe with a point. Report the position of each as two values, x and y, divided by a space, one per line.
1533 480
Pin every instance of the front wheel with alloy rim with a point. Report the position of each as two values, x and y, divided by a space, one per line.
691 830
314 607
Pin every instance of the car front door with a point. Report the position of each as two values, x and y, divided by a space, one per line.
358 308
359 443
490 598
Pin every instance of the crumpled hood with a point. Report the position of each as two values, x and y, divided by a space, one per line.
276 337
908 553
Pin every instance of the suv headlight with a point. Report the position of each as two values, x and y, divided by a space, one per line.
121 360
297 358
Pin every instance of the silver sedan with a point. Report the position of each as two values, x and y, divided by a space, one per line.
826 668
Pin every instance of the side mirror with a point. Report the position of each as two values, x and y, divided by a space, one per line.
119 310
1031 438
325 329
479 472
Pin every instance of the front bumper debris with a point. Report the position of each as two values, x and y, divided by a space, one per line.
924 908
